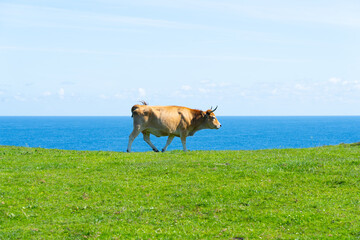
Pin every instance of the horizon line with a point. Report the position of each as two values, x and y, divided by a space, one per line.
344 115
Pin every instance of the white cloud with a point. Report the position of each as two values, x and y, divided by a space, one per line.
212 85
204 81
224 84
275 91
19 97
208 84
204 90
61 93
142 92
186 87
335 80
301 87
103 96
329 90
119 96
47 94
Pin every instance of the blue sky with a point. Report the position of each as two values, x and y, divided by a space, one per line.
100 57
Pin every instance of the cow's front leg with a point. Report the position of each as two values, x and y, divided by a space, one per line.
147 140
183 141
132 137
169 140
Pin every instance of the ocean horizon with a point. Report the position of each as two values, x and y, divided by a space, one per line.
110 133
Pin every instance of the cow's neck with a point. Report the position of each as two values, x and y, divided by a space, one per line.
199 124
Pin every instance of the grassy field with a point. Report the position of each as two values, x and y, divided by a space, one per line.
269 194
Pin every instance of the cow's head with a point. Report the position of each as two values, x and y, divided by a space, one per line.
211 120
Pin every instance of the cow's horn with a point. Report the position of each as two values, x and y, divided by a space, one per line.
214 109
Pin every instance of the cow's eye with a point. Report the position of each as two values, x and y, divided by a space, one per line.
212 118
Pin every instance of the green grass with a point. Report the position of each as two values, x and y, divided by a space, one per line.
269 194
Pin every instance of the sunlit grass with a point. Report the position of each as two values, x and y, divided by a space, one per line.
269 194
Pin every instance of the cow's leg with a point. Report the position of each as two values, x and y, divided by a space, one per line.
132 136
183 141
169 140
147 140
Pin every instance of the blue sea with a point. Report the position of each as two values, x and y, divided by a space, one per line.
237 133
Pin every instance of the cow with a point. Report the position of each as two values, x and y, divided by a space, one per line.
171 121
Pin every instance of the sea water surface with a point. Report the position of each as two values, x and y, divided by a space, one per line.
236 133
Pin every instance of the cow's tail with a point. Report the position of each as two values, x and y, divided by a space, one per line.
135 107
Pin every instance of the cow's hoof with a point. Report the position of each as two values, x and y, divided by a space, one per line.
163 150
155 150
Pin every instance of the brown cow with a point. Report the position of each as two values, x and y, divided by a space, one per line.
171 121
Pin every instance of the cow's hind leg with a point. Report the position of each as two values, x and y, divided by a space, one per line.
147 140
169 140
132 136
